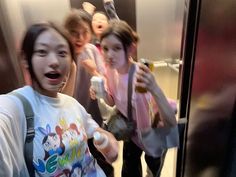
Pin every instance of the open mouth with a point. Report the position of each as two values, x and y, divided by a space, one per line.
53 75
99 26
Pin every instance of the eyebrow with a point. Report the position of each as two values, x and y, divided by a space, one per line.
46 45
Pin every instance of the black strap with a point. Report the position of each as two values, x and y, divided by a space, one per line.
28 148
130 90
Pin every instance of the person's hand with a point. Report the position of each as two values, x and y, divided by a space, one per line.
92 93
145 78
88 7
105 1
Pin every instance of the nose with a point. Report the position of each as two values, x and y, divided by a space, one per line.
109 55
53 60
79 37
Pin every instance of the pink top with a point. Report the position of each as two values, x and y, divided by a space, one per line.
143 105
118 88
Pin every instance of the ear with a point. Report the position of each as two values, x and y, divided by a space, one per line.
23 61
131 49
25 68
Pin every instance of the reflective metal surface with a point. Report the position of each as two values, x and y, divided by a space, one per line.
212 91
159 24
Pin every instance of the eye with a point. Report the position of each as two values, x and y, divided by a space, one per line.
117 48
63 53
46 144
41 52
86 31
74 34
105 49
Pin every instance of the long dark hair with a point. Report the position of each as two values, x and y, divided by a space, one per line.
33 32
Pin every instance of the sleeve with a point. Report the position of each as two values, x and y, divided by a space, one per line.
99 61
11 139
110 9
84 55
89 124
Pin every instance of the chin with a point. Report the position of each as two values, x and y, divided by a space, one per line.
53 88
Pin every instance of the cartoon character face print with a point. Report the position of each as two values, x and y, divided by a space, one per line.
64 173
89 169
76 170
70 134
52 143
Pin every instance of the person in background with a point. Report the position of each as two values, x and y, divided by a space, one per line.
62 126
89 62
99 18
99 24
116 43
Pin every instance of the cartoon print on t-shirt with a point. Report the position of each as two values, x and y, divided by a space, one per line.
53 146
74 138
88 168
52 143
65 148
70 133
63 173
76 170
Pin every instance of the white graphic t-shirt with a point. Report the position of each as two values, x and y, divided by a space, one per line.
62 127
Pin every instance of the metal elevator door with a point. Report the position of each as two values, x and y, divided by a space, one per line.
9 78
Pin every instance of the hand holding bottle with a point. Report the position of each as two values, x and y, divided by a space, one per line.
102 143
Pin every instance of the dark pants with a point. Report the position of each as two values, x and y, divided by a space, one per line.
132 161
106 167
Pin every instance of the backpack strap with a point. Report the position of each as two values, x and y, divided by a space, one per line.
130 91
28 148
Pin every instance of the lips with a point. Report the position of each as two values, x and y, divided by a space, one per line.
54 78
77 44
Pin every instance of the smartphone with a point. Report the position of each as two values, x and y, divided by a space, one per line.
150 65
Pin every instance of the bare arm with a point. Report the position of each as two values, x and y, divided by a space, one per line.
90 66
110 9
146 79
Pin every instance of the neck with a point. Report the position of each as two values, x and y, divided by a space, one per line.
37 87
125 68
